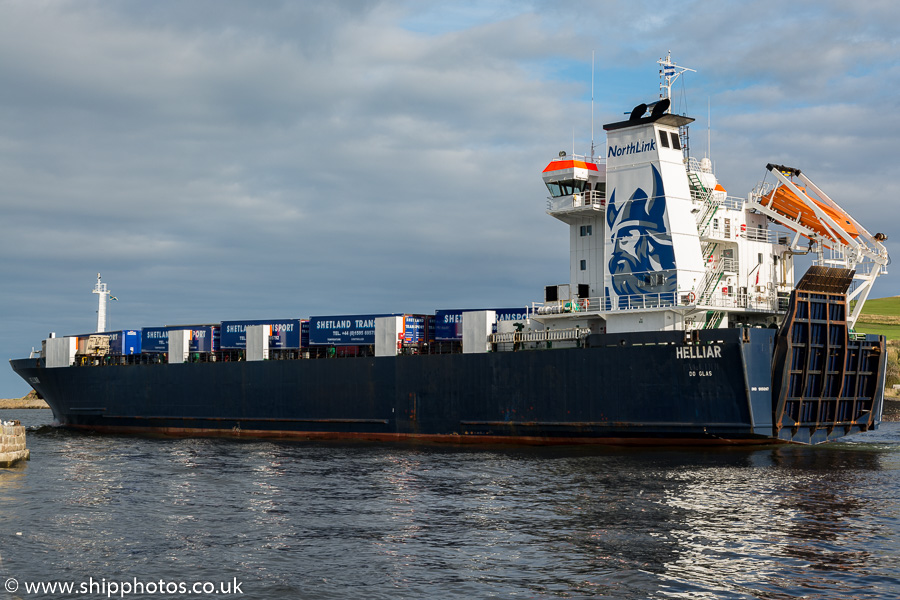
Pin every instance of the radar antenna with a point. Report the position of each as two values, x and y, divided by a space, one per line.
668 73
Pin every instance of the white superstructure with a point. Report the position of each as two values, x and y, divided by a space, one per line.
657 243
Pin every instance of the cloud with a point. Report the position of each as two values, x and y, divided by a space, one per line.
222 160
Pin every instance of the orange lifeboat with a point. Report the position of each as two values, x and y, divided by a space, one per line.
786 202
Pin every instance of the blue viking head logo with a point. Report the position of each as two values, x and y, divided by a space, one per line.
642 259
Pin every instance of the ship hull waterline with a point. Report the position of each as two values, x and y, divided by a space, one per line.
643 389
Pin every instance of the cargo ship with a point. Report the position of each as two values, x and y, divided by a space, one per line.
680 323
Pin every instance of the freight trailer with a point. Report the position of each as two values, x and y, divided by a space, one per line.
344 330
204 338
124 343
448 323
285 334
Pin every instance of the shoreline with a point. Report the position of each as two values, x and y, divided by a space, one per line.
891 411
22 403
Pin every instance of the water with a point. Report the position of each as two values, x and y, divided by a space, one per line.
288 520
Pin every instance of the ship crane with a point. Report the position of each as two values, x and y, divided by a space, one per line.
798 204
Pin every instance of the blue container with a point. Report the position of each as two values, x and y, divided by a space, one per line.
155 339
204 338
352 330
430 320
448 323
304 333
286 333
124 343
414 329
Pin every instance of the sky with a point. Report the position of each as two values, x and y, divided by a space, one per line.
220 160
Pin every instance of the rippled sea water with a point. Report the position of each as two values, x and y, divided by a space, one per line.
303 520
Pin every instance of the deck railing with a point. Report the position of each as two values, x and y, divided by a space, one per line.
714 299
542 335
569 201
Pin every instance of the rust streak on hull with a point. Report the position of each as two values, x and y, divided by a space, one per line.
418 438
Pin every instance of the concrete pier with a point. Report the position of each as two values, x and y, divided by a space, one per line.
12 444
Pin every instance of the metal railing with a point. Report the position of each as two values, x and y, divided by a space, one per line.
621 303
709 282
590 198
729 265
730 202
597 160
692 164
559 307
756 234
765 302
712 296
706 214
543 335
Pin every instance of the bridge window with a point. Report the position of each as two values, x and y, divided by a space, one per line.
584 265
664 139
566 187
676 142
587 230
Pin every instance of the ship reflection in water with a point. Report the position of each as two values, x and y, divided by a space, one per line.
387 521
786 523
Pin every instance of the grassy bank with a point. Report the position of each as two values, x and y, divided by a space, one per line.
889 307
881 316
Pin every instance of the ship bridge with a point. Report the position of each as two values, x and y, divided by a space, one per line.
655 241
577 186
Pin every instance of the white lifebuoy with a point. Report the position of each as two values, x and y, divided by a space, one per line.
691 298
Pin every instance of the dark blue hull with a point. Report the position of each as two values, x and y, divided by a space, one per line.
638 388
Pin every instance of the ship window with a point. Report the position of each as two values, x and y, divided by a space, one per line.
676 142
584 265
760 258
664 139
587 230
566 187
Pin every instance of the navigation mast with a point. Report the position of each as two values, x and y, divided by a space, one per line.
103 292
669 73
